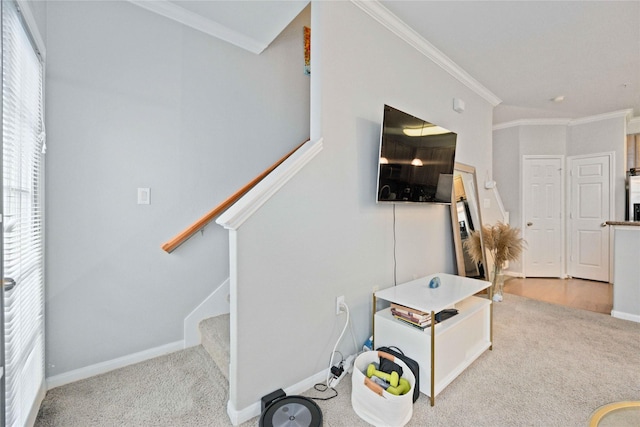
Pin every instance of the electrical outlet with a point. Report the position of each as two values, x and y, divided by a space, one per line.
339 301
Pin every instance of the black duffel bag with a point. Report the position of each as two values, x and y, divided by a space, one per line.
412 364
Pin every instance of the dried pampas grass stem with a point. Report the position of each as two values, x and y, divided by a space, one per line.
501 240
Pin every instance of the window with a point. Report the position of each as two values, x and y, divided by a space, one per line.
23 222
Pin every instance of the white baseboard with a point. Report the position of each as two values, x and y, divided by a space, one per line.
513 274
238 417
110 365
625 316
215 304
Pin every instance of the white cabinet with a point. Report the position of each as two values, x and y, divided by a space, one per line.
445 349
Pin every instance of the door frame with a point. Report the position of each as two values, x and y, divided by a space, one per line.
563 243
612 205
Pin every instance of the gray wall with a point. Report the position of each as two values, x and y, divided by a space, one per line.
323 235
580 137
506 173
543 140
136 100
603 136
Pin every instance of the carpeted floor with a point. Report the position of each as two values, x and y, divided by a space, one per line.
180 389
550 366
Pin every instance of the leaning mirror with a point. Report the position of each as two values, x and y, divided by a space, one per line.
466 218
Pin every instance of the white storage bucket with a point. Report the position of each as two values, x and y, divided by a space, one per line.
373 403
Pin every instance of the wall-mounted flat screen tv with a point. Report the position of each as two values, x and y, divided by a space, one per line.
416 160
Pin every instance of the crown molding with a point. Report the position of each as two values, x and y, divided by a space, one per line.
605 116
532 122
197 22
565 122
381 14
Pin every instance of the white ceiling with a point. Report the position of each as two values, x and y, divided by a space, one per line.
260 20
528 52
524 52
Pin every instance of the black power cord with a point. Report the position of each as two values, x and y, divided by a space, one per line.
395 262
336 371
323 388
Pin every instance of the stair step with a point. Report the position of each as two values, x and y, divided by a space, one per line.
216 340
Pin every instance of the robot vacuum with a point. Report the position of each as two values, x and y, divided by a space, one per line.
290 411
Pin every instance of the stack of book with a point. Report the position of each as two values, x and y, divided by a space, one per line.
413 317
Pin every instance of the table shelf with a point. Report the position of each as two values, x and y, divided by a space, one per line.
445 349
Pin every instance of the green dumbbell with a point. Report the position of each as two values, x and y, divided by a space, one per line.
402 388
391 378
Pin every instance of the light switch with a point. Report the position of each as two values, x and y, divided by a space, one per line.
144 196
487 203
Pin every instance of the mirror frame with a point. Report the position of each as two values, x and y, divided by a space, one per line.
457 239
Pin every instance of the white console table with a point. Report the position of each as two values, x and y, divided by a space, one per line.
445 349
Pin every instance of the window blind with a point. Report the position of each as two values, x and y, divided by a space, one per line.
22 209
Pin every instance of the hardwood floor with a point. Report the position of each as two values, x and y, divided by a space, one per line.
577 293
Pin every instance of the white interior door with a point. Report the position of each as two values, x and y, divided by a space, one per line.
590 206
543 216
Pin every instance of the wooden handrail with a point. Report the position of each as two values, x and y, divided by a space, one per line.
179 239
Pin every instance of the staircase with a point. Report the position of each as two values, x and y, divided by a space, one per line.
215 336
213 333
